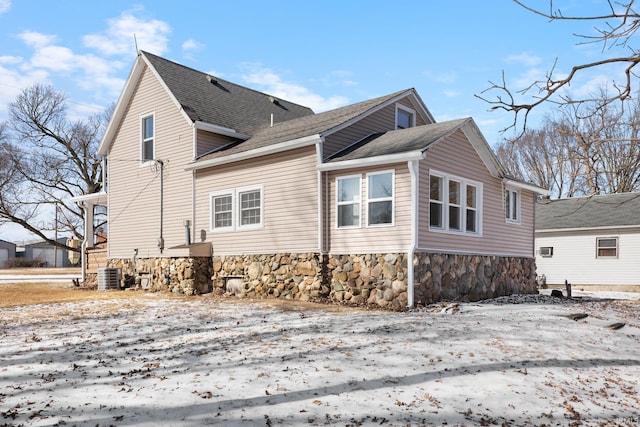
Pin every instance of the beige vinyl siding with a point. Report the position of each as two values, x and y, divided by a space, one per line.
380 121
456 156
134 189
574 258
372 239
290 207
207 141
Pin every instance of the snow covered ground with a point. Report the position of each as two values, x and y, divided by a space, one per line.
515 361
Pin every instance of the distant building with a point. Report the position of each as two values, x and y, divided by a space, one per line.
48 254
7 251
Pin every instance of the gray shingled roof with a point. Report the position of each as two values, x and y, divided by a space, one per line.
399 141
587 212
304 126
222 103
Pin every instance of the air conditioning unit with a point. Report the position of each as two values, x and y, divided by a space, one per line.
109 278
546 251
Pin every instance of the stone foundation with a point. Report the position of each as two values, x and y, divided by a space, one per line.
187 276
288 276
442 277
378 280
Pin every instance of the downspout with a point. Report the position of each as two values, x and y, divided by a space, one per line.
83 247
413 172
321 199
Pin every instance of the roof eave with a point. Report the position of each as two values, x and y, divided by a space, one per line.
219 130
262 151
599 228
373 161
527 186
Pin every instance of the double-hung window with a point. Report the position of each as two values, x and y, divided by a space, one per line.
222 211
148 133
236 209
607 247
380 198
455 204
348 190
512 205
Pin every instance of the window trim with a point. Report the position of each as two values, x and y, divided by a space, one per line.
409 111
249 189
236 211
342 203
507 209
444 203
143 117
598 239
212 225
391 198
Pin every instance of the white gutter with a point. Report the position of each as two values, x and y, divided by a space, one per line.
373 161
320 198
262 151
219 130
601 228
525 186
413 172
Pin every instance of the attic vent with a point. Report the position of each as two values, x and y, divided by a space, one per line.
109 278
274 100
211 79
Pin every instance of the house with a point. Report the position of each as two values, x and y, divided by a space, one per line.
591 242
7 252
371 203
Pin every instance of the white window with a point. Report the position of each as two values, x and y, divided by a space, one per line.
236 209
512 205
405 117
607 247
250 207
147 148
348 201
222 211
455 204
380 188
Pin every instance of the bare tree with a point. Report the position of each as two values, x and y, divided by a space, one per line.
48 159
614 28
587 149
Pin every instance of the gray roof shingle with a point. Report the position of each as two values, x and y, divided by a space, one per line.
399 141
588 212
303 126
220 102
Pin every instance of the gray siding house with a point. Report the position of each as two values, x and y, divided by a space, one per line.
591 242
372 203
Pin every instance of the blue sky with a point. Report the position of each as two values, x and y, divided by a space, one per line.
321 54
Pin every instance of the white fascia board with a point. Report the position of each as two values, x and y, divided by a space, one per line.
372 161
219 130
602 228
93 197
262 151
525 186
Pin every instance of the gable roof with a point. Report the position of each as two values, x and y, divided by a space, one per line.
308 129
204 99
611 210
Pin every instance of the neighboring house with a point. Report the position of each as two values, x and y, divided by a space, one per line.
7 252
372 203
589 241
49 255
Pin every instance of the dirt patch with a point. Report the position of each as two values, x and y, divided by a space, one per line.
17 294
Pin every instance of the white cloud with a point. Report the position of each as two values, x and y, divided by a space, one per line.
451 93
118 39
36 40
192 46
269 82
14 80
5 5
524 58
